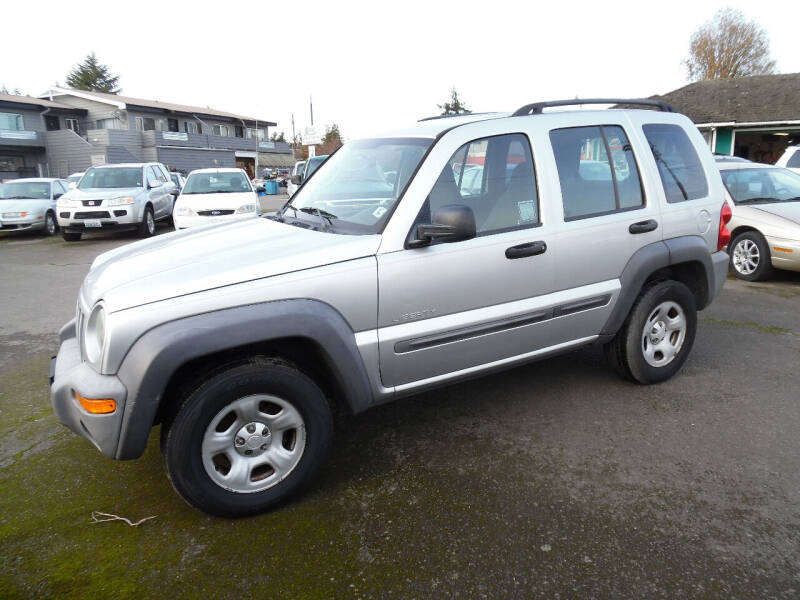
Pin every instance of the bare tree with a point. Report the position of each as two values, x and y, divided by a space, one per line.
728 46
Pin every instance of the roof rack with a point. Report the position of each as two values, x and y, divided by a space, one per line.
538 107
469 114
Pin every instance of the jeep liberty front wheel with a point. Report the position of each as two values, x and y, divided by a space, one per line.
248 438
658 335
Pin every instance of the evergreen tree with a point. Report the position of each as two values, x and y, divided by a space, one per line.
91 75
455 106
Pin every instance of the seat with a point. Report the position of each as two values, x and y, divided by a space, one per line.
506 210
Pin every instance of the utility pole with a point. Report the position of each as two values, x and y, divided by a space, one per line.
294 138
311 105
255 174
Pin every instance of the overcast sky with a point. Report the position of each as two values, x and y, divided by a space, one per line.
371 66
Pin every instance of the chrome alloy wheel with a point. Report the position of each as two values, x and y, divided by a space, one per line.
253 443
663 334
150 222
746 256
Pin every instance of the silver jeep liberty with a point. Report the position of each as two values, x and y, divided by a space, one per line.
452 249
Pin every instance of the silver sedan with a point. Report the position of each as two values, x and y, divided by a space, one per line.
766 218
30 204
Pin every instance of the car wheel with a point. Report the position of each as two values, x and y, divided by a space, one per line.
147 228
71 236
658 335
50 224
248 438
749 256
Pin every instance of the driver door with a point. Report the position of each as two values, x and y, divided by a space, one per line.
448 307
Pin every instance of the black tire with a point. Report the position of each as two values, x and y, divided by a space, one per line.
71 236
755 246
183 434
626 352
147 228
50 225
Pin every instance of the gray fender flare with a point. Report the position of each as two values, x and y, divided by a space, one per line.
649 259
160 352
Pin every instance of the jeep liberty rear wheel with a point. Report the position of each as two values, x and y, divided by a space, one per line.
248 438
658 335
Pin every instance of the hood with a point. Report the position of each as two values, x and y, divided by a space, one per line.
203 258
787 210
211 201
101 193
31 206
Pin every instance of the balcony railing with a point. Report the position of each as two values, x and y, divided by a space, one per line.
10 137
202 140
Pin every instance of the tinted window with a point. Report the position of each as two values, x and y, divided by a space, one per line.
111 177
596 170
493 176
25 190
678 164
794 160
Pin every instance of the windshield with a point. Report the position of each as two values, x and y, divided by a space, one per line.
216 183
111 177
25 190
749 186
356 188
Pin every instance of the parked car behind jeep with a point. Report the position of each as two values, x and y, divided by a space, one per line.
30 204
385 276
118 197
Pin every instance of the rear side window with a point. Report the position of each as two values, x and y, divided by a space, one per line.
794 160
681 173
597 171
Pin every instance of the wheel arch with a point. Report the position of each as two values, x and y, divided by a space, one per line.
309 333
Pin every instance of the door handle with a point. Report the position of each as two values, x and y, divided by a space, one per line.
523 250
643 226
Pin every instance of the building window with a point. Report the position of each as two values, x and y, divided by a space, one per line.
51 123
145 124
172 125
192 127
11 121
71 124
238 131
11 163
222 130
106 124
161 125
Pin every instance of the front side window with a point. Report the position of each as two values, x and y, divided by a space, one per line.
794 160
25 190
355 189
495 178
596 170
217 183
11 121
760 186
680 169
111 177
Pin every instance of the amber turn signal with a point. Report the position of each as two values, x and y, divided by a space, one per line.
101 406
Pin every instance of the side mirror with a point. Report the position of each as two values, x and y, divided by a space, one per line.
297 179
57 196
451 223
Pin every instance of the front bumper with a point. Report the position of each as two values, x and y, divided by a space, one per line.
110 217
785 253
198 221
70 375
21 224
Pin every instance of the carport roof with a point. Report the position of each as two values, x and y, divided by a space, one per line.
757 98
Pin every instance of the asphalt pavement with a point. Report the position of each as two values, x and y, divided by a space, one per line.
554 480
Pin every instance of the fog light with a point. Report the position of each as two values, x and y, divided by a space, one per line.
101 406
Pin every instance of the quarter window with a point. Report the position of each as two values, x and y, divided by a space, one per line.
596 170
493 176
11 121
681 173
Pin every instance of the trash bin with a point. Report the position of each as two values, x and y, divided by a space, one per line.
271 187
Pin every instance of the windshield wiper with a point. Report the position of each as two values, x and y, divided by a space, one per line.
21 198
325 217
756 200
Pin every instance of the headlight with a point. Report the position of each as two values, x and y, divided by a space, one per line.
67 203
12 215
185 211
95 338
246 208
121 201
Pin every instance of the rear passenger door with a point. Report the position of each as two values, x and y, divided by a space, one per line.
158 192
608 214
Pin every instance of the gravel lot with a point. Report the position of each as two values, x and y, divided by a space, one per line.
555 479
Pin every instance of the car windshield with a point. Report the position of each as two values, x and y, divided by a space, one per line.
216 183
356 188
111 177
25 190
750 186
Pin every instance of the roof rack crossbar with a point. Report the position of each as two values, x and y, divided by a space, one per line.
538 107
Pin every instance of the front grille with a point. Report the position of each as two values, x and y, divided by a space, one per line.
92 202
95 214
215 213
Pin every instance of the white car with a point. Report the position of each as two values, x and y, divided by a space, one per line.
790 159
215 195
73 180
291 187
